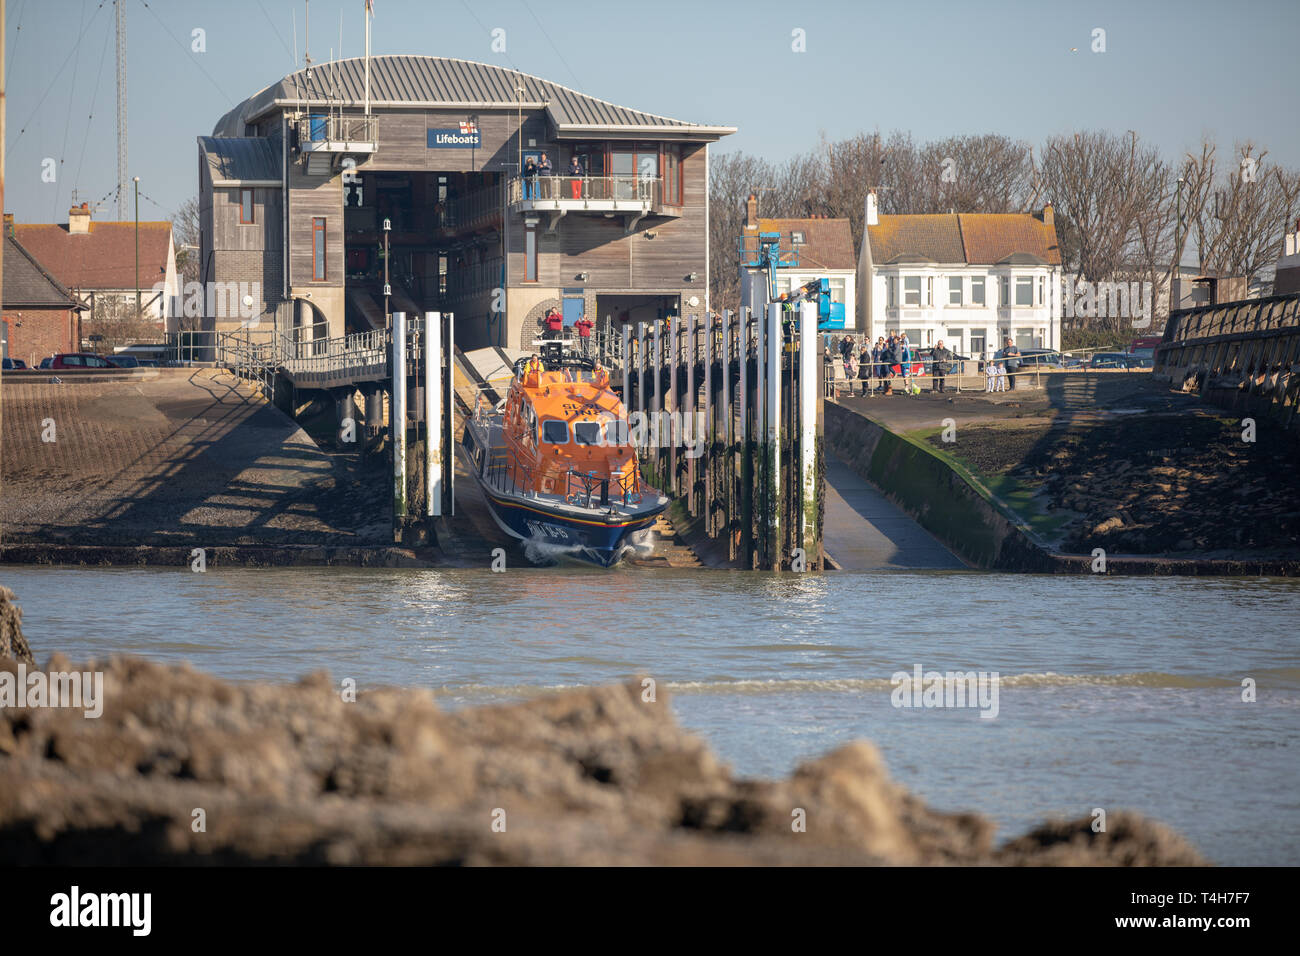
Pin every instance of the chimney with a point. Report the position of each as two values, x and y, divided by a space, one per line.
1049 215
9 224
751 213
873 217
79 220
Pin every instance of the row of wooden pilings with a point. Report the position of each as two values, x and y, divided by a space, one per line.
731 416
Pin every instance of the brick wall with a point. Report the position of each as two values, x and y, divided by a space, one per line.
40 333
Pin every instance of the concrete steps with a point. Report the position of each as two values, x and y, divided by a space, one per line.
669 549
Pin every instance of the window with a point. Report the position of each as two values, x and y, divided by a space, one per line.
530 253
672 176
555 431
1024 290
929 290
245 206
837 290
891 287
977 341
977 290
586 433
954 290
1041 282
642 162
1006 291
911 290
318 260
796 239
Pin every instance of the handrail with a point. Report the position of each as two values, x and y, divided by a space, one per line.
644 189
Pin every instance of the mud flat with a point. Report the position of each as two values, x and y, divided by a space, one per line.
296 774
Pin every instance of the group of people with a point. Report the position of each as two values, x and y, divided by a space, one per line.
553 328
541 166
888 359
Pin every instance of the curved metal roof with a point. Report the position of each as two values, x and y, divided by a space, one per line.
433 81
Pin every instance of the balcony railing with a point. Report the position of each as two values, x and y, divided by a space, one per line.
337 133
575 192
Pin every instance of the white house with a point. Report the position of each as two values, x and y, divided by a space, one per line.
815 248
972 280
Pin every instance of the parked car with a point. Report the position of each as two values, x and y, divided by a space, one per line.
148 363
13 365
1109 360
123 361
1034 358
46 362
76 360
1071 361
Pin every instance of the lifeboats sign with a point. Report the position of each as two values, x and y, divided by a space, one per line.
466 136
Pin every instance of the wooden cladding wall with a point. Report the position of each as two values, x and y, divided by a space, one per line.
310 197
403 141
612 259
229 233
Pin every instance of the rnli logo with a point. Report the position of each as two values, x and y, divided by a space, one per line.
467 128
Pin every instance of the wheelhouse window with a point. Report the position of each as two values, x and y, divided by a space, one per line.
245 206
586 433
555 432
318 259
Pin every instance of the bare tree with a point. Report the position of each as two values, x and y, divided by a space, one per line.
185 234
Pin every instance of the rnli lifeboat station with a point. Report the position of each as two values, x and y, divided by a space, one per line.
342 193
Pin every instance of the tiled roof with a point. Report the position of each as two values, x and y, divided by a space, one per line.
28 285
929 238
103 258
974 238
991 238
828 243
434 80
240 158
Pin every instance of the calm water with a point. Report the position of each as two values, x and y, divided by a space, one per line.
1115 693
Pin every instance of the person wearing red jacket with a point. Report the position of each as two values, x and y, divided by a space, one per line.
554 324
584 326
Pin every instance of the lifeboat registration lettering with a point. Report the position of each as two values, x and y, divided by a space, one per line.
539 530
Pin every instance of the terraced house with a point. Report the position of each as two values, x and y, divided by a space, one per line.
972 280
304 185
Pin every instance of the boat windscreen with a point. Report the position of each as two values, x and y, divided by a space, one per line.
587 433
555 431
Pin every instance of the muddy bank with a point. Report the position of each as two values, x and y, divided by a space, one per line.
183 768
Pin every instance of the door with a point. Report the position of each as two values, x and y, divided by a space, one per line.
573 309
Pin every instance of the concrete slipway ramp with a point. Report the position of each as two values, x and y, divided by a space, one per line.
866 532
174 457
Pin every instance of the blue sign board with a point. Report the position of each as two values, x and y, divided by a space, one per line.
461 138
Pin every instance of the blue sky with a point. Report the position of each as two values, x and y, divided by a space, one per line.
1171 71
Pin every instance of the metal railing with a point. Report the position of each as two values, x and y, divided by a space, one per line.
334 128
643 189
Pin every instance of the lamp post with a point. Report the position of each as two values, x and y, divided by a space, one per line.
388 319
137 248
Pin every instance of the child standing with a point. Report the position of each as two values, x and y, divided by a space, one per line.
990 377
1002 377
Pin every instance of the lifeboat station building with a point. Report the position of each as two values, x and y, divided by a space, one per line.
301 186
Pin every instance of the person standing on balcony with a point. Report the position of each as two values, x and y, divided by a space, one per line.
530 178
575 177
548 184
584 326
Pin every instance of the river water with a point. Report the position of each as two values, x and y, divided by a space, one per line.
1113 692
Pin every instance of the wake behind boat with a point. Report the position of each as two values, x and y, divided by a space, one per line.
555 461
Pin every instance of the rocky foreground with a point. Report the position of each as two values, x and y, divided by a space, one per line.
185 768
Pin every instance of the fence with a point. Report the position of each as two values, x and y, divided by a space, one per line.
596 188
